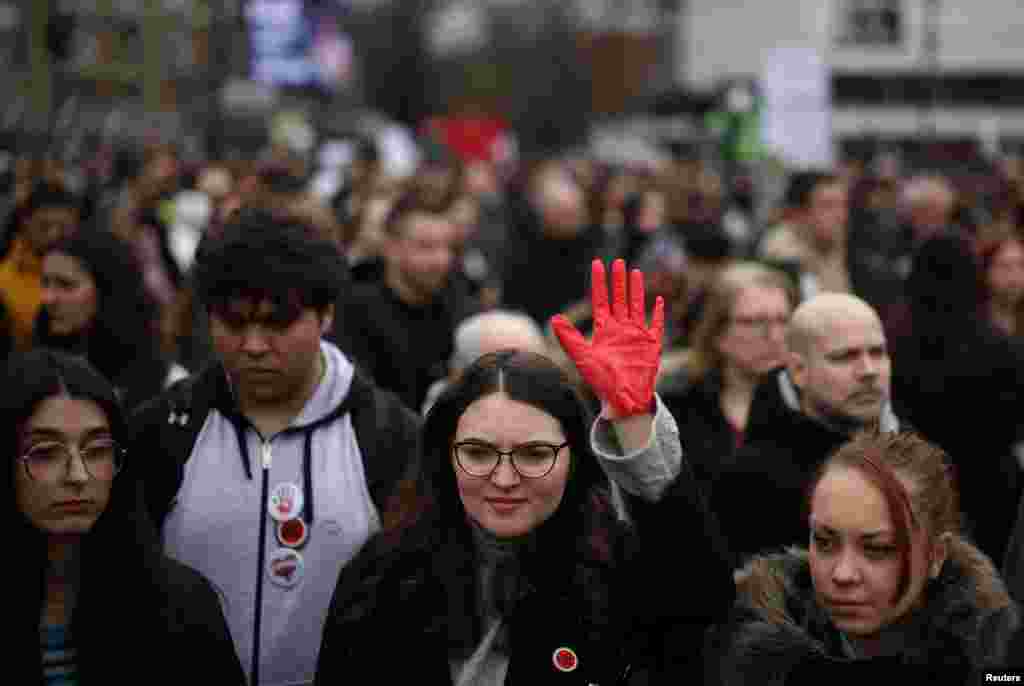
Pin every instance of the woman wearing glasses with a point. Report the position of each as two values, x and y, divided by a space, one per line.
503 561
739 337
92 600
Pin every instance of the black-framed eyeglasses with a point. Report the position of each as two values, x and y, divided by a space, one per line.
102 458
530 460
760 325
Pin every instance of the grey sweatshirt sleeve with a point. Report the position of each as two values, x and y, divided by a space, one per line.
647 472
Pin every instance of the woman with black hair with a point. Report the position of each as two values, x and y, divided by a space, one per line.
92 598
503 561
95 305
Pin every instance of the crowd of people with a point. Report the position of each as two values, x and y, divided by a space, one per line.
559 422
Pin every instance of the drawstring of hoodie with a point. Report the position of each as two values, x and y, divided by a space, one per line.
307 462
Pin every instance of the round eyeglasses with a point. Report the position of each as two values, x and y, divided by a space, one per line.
530 460
49 460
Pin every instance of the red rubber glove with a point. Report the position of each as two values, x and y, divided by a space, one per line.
621 361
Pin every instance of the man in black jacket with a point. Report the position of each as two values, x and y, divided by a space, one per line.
835 382
399 326
268 470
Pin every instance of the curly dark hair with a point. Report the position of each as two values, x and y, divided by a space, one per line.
261 255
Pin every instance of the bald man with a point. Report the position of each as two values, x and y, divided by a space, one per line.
836 381
483 333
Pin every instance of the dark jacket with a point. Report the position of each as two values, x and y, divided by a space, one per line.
780 635
961 385
543 276
405 348
165 431
140 616
607 596
703 427
782 449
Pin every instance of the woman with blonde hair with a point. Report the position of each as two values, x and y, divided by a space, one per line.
738 338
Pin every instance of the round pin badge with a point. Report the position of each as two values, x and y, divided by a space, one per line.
565 660
292 533
285 501
286 567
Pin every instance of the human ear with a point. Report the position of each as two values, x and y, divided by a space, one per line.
939 553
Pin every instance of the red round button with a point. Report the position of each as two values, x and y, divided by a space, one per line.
292 533
565 660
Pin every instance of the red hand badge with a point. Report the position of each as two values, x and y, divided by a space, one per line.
621 361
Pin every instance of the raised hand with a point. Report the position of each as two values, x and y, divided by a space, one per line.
620 362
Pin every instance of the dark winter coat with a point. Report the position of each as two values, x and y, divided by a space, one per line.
783 448
140 617
962 385
703 427
612 596
405 348
780 635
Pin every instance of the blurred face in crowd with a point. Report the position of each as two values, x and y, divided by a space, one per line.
843 372
49 225
652 212
56 496
69 294
856 562
271 352
506 503
481 180
1006 273
560 203
828 212
932 209
754 338
420 258
465 217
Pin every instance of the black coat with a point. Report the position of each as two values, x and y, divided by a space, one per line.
962 385
782 449
620 608
405 348
543 276
140 617
780 635
704 430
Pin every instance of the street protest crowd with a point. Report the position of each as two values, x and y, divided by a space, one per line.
556 421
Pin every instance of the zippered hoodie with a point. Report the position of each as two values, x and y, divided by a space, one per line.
220 523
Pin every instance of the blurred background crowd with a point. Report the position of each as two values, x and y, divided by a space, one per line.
810 147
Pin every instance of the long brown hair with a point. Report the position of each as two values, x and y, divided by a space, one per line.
721 299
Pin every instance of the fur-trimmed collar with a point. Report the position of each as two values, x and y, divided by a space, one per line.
966 619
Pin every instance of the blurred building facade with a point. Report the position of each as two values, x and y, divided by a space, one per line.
898 69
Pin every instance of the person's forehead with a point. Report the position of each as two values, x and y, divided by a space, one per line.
60 413
851 329
499 418
845 501
262 305
422 226
755 298
510 335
